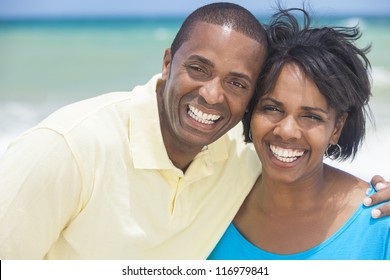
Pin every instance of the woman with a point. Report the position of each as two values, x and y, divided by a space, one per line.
311 102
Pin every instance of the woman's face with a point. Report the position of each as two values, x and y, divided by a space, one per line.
292 126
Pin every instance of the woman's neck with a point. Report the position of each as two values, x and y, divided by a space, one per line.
304 194
290 217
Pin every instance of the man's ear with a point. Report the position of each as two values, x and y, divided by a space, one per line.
338 128
166 64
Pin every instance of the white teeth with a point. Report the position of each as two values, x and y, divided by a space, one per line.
285 159
286 155
201 116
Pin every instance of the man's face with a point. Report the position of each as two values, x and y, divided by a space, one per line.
208 85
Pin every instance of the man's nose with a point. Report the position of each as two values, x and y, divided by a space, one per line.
212 91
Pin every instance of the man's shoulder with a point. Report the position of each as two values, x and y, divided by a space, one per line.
70 116
109 105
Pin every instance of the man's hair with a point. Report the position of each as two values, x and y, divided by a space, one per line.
232 15
330 58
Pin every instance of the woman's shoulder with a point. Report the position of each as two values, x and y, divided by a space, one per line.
348 189
346 180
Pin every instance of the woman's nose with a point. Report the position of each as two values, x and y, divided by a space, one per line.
288 129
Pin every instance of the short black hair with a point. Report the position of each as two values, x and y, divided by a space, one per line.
330 58
236 16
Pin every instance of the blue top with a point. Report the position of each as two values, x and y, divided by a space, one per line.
360 238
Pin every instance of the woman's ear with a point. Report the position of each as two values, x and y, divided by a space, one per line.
166 64
338 128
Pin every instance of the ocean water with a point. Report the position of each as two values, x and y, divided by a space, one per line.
45 65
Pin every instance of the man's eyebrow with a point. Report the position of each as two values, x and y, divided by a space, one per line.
210 63
241 75
202 59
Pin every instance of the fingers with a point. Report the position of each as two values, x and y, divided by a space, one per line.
382 195
379 182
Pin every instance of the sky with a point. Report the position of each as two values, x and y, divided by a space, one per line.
113 8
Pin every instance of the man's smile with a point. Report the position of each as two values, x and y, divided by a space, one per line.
202 117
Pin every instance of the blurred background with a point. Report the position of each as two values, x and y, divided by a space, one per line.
55 52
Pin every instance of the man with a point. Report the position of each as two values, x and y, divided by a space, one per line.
147 174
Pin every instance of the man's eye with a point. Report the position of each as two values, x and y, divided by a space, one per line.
238 84
195 68
197 72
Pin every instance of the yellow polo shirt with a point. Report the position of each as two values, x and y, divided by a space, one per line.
94 181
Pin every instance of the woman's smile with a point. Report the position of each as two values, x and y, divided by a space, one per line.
286 155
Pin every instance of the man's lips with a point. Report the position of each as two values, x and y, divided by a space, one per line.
202 117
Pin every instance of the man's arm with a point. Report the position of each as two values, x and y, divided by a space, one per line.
382 195
40 191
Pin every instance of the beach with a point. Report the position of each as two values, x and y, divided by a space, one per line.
46 64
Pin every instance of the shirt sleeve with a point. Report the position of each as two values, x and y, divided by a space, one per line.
40 193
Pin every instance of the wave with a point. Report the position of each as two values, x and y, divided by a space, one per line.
380 76
354 21
16 117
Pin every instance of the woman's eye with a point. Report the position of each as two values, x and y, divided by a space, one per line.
314 117
271 108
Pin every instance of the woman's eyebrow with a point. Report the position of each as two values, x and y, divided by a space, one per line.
308 108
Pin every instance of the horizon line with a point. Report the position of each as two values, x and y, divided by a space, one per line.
160 16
